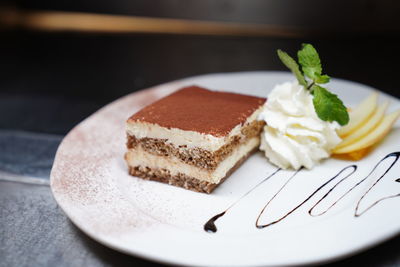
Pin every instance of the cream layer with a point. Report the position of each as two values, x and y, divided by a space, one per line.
138 157
190 139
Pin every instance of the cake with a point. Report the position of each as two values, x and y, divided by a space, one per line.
194 138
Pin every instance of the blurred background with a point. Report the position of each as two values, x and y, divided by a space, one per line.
62 60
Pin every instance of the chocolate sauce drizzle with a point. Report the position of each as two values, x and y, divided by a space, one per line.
277 193
210 225
353 169
396 155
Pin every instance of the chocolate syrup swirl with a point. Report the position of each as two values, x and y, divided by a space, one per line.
396 155
210 225
277 193
353 168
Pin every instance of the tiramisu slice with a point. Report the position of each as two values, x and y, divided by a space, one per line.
193 138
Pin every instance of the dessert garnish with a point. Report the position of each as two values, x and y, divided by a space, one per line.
368 125
326 104
305 122
302 117
376 174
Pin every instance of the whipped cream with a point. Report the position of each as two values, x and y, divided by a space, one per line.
294 136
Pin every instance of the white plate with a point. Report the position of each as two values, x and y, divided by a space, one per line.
164 223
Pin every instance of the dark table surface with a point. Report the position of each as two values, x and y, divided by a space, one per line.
50 82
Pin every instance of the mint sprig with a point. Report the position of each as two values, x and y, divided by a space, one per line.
311 64
327 105
293 66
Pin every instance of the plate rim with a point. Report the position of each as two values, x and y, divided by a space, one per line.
162 260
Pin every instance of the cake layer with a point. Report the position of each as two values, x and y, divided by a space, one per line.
186 138
199 110
196 156
164 176
141 159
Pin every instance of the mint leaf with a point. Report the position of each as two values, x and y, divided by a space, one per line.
292 65
328 106
309 61
322 79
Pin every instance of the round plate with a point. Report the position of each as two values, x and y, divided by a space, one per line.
164 223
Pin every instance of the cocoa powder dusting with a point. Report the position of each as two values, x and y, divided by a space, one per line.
197 109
